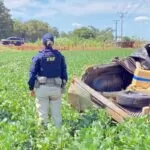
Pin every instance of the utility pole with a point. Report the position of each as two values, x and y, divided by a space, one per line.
122 14
116 29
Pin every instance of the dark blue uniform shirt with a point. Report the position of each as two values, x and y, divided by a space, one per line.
49 63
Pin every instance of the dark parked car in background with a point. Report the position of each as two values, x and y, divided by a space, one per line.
17 41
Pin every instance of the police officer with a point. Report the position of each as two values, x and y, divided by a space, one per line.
48 77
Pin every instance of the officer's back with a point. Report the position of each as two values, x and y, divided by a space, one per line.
48 77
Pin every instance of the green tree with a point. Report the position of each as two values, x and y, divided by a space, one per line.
54 31
84 32
63 34
127 39
35 29
19 29
106 34
94 30
6 23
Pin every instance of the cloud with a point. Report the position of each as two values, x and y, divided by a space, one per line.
142 18
44 8
13 4
79 8
45 14
86 7
77 25
30 9
72 7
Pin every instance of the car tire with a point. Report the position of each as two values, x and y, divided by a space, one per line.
17 44
5 43
133 99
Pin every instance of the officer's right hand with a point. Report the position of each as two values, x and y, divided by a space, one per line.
32 93
63 83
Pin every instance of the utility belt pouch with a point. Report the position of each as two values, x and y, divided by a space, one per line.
58 82
42 80
49 81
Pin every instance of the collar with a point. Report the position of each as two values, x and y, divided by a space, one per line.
46 50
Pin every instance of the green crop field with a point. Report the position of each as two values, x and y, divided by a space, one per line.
92 130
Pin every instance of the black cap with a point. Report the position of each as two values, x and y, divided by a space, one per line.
47 37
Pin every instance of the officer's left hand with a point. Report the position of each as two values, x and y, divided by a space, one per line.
32 93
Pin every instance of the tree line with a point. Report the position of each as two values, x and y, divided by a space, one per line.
33 30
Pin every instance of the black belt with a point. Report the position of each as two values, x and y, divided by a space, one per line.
42 83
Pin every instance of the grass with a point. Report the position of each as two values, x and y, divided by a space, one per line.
89 131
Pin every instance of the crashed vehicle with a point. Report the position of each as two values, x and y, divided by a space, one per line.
121 87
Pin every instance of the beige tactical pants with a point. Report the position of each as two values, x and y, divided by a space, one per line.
49 98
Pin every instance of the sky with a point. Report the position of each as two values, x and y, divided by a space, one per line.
67 15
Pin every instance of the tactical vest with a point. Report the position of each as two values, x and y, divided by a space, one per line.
50 64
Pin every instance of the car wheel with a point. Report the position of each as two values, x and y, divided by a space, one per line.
18 44
133 99
5 43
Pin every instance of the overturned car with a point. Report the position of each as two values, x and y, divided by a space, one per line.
122 87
